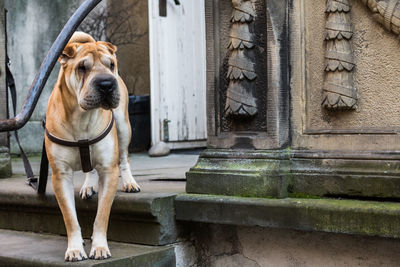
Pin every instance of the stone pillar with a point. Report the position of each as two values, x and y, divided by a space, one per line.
269 134
345 153
5 161
247 99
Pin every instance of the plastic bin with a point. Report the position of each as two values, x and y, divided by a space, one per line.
139 117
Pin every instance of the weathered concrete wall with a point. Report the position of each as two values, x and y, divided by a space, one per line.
32 27
221 245
133 52
5 161
3 87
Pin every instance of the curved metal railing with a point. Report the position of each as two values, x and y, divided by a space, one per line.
47 66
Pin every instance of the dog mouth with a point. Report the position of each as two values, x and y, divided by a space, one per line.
93 101
110 102
103 92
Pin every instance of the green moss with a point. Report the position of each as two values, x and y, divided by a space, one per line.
302 195
253 196
5 165
329 215
5 171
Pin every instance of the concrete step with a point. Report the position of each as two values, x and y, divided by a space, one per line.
146 218
30 249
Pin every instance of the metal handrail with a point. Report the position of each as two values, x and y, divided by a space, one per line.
47 66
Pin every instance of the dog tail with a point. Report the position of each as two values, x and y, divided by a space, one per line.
81 37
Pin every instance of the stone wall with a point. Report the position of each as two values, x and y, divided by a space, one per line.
374 124
376 75
222 245
5 162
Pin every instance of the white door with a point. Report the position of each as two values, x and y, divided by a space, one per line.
178 73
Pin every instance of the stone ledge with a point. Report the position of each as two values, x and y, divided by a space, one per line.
326 215
280 173
29 249
145 218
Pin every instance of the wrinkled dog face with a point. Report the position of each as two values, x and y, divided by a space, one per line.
91 72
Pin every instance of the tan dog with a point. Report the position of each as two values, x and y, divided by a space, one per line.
88 88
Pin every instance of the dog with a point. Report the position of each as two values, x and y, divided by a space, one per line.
88 96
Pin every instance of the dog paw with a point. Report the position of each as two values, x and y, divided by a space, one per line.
75 254
100 253
87 192
131 187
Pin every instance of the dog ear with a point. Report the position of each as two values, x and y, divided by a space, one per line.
112 48
68 52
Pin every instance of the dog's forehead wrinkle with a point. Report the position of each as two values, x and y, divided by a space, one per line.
79 48
106 58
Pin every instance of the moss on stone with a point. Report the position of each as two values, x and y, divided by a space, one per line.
5 165
302 195
328 215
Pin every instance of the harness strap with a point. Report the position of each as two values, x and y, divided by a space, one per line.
31 180
83 145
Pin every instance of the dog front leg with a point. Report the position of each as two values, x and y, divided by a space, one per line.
64 191
124 137
108 182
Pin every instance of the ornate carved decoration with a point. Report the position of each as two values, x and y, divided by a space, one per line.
386 12
241 71
339 91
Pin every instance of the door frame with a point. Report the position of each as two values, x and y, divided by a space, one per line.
155 85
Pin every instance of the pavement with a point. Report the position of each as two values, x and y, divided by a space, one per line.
32 249
154 174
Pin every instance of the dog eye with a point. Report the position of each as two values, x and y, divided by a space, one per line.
112 66
82 68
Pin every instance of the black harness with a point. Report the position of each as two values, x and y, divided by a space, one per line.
83 145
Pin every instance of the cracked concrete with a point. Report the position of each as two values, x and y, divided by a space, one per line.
223 245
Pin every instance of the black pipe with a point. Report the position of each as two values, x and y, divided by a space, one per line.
47 66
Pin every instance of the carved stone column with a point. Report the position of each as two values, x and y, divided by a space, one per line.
5 161
339 90
241 72
247 100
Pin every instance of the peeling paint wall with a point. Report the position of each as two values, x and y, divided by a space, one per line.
222 245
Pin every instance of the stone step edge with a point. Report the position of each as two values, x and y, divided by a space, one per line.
327 215
31 249
150 204
144 218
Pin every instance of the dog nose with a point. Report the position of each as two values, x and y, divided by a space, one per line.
106 85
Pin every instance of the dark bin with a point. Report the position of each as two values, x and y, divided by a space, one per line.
139 117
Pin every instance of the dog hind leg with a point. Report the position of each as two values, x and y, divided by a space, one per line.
108 182
88 188
64 191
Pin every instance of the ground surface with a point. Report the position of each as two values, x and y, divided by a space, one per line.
161 174
30 249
